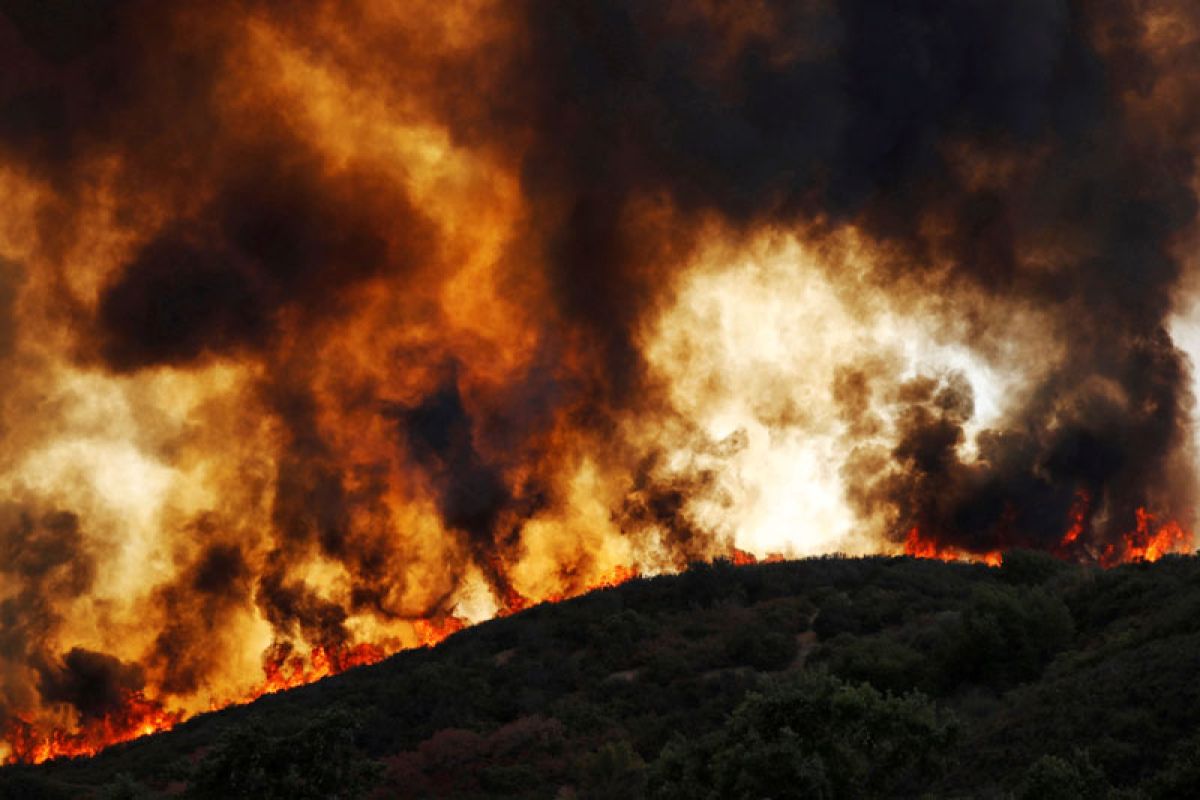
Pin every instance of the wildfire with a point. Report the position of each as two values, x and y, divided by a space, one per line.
283 668
1146 542
286 669
311 325
615 577
740 557
921 547
1149 543
1077 519
619 574
136 716
433 631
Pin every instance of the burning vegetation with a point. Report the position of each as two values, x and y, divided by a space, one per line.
329 329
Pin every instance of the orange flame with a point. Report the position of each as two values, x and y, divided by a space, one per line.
432 632
515 601
920 547
137 716
283 669
740 557
1077 517
1145 543
287 670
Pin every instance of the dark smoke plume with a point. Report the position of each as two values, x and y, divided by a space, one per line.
45 560
439 434
998 160
93 683
471 493
279 235
196 609
864 113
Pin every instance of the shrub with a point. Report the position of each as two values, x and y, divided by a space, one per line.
811 736
760 647
1029 567
614 772
1008 635
320 762
1054 778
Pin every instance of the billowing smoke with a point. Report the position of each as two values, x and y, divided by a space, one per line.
325 328
93 683
987 148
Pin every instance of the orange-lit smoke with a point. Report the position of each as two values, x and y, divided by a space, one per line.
327 329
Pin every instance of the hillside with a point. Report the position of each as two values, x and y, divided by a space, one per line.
829 677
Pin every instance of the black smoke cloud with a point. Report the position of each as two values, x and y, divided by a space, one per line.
471 493
294 608
179 300
98 77
197 608
887 117
989 149
439 434
95 684
1102 441
280 234
45 564
838 112
44 557
311 509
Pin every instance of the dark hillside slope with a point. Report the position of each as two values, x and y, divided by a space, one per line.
830 677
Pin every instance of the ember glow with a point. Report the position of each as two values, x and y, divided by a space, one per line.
328 329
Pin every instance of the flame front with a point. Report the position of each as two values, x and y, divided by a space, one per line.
918 547
136 716
328 330
1148 541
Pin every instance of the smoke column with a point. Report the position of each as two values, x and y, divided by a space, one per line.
328 328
